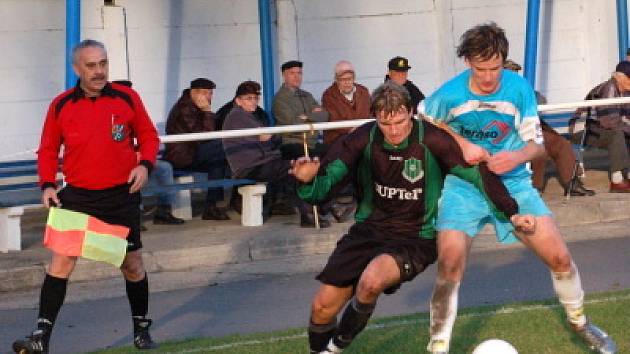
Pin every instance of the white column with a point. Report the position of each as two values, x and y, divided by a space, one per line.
115 39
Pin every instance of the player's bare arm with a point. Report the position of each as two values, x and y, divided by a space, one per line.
505 161
473 153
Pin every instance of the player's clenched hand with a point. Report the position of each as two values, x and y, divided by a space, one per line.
137 178
503 162
524 223
49 197
304 169
475 154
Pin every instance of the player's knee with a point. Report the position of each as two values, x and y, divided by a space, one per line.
322 310
561 262
451 268
370 287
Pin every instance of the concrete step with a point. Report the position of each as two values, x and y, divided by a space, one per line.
220 245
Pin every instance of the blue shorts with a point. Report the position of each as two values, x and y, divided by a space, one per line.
462 207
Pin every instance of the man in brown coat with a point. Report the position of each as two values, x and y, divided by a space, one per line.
192 114
344 100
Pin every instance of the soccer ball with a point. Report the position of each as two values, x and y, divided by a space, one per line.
495 346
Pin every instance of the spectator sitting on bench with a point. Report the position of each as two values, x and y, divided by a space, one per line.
192 114
223 112
292 105
558 149
259 157
162 175
345 99
609 128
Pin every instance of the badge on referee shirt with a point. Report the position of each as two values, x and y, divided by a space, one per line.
118 130
413 170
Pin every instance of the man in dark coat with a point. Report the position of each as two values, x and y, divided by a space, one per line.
398 73
192 113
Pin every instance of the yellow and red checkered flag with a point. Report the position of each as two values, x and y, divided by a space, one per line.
71 233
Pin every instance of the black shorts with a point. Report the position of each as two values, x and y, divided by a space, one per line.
363 243
113 205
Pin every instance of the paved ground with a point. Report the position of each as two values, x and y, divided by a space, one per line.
275 294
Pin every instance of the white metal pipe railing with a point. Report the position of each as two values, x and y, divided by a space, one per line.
558 107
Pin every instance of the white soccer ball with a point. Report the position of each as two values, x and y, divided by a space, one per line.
495 346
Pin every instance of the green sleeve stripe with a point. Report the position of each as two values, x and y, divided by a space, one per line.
434 181
318 189
472 175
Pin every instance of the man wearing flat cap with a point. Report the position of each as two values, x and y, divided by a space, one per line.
398 73
259 157
292 105
192 113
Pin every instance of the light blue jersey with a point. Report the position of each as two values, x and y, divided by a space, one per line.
502 121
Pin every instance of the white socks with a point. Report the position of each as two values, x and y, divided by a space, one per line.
443 309
568 286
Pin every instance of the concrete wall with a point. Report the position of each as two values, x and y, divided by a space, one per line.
170 42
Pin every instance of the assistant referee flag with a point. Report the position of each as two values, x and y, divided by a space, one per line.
71 233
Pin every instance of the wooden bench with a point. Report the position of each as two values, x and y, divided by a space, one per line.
19 190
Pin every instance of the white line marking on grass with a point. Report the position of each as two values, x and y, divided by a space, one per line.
377 326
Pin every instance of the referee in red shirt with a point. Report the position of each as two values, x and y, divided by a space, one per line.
96 122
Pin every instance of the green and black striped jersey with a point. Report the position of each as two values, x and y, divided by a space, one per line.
398 187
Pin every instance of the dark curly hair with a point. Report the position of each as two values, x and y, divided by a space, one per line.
483 42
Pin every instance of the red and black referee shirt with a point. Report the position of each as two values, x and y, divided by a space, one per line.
98 138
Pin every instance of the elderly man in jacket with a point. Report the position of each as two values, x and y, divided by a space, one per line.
192 113
292 105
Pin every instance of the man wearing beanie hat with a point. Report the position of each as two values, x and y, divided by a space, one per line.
398 74
192 114
292 105
344 99
608 127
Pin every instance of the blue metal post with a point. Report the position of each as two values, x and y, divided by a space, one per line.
622 27
73 36
266 53
531 41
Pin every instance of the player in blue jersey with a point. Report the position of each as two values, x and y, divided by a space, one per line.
492 113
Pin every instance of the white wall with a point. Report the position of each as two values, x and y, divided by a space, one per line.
174 41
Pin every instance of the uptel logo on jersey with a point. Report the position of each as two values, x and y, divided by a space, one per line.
397 193
412 172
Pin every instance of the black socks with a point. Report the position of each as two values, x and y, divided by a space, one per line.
51 298
319 335
138 295
353 321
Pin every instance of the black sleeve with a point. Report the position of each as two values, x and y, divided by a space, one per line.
450 155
